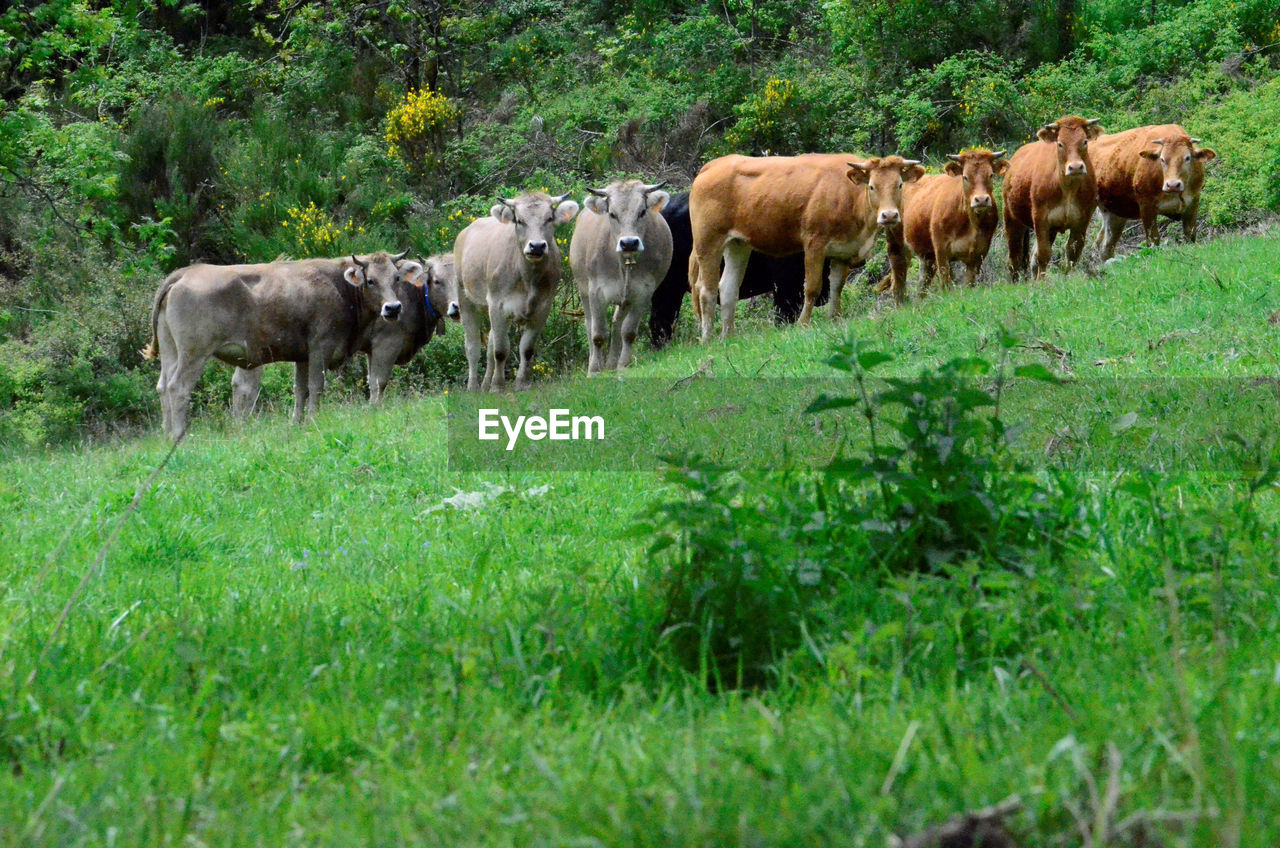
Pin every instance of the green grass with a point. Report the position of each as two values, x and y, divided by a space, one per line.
292 643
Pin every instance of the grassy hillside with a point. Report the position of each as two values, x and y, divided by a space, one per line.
295 641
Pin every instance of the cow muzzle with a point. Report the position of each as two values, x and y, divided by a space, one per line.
535 250
888 218
1173 186
630 245
1076 169
981 202
391 310
453 312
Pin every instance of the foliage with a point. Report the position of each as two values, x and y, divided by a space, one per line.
416 128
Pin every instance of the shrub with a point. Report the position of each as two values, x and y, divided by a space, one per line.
416 128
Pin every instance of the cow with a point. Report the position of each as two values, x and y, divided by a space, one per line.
387 343
312 313
781 276
507 264
1146 172
827 205
621 248
1050 188
951 216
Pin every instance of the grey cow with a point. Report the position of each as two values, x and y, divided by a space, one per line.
507 264
621 250
311 313
425 298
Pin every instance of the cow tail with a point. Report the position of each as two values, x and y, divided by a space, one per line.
152 350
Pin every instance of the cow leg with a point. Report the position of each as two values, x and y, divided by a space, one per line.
704 277
615 337
473 341
942 258
1075 244
736 256
180 382
928 268
835 280
1112 229
972 268
1190 218
1044 249
899 262
1018 248
597 333
168 357
300 370
499 349
528 345
626 324
1151 224
381 359
813 259
246 383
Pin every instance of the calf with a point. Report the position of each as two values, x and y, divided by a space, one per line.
822 204
952 216
621 248
1146 172
1050 188
507 266
311 313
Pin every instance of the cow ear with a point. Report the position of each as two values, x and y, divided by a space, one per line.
1093 129
953 169
349 274
565 211
1153 155
911 173
1047 134
999 167
596 203
1206 154
857 174
409 272
658 201
502 212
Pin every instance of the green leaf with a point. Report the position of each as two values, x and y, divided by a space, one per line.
1036 371
824 402
1124 422
871 358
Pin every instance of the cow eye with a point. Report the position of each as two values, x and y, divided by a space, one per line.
613 216
1187 158
965 177
1060 144
1163 161
1084 142
519 222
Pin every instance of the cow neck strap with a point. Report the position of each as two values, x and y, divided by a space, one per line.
426 299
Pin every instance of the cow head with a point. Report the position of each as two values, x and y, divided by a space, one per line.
437 288
1072 134
1178 159
625 204
376 276
884 178
535 217
977 170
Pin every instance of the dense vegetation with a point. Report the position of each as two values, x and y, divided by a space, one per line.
331 636
137 137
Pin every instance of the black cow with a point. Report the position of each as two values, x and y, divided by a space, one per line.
784 277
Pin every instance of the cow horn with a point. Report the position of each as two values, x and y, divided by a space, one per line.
1093 121
652 188
364 266
598 192
861 166
954 157
998 154
1053 126
510 204
1195 141
909 162
1157 141
556 201
399 256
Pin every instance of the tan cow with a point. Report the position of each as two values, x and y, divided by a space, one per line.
310 313
951 217
1147 172
826 205
425 299
507 266
1050 188
621 250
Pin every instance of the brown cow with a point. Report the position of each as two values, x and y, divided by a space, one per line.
951 217
1146 172
1050 188
827 205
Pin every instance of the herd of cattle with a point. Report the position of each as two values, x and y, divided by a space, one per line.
791 225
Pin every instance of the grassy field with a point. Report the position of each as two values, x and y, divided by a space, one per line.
297 640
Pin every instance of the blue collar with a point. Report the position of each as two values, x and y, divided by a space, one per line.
426 299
